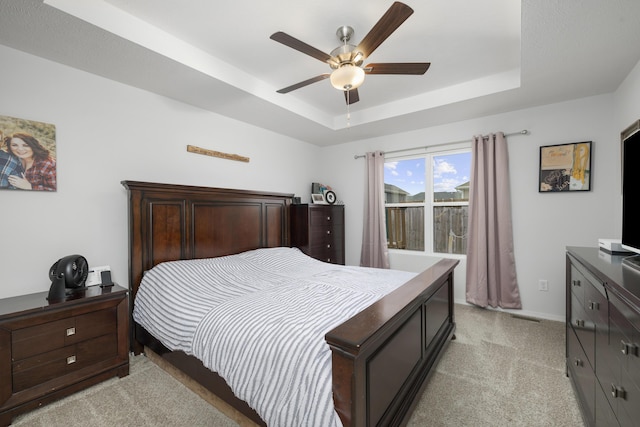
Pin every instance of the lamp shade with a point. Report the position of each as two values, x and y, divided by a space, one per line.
347 77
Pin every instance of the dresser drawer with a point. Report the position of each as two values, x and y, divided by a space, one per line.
324 217
584 329
625 339
324 247
42 338
578 284
580 370
589 292
595 304
326 236
53 364
322 253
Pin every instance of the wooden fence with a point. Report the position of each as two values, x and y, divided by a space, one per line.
405 228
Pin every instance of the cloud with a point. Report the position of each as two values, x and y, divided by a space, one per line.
442 167
447 185
391 165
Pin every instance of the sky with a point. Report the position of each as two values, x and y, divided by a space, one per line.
449 171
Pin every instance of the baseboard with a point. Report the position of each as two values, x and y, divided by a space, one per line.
524 313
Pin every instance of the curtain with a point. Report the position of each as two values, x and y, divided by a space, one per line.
374 237
491 269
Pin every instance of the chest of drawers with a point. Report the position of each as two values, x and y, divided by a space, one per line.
48 351
318 230
603 336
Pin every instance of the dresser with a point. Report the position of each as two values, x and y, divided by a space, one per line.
318 230
603 336
48 351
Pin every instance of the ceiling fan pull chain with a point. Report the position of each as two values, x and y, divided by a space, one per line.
348 110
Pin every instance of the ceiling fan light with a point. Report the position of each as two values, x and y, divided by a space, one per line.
347 77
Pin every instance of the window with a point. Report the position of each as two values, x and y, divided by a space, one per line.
439 219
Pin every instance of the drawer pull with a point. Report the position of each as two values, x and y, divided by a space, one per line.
71 331
628 348
578 362
618 392
594 305
328 231
329 246
71 359
575 282
580 323
328 218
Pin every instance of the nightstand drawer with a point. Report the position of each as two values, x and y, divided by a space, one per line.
42 338
53 364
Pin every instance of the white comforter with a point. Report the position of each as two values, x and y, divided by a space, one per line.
259 319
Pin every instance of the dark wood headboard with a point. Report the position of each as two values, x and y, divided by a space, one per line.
173 222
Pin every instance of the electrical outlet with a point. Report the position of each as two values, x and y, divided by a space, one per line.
543 285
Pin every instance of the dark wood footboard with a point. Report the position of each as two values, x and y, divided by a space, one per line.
383 355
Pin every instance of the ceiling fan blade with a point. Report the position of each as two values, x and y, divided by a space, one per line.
304 83
390 21
300 46
352 97
397 68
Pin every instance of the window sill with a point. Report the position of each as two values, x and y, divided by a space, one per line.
426 254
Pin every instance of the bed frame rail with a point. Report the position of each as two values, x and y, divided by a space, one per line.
383 356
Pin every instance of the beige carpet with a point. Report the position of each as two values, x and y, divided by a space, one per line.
500 371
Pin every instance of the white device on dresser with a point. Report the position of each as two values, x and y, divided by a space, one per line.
96 276
612 246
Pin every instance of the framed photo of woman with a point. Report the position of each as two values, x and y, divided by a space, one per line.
27 155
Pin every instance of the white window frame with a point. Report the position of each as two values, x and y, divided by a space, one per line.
428 204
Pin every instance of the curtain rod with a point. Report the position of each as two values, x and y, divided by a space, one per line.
522 132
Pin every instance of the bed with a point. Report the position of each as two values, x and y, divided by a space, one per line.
380 356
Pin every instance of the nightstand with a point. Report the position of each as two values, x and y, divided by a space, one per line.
48 351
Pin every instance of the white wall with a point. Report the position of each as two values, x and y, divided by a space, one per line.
544 223
108 132
627 100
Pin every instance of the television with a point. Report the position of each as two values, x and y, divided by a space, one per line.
630 151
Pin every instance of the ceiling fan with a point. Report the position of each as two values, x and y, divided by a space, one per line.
346 60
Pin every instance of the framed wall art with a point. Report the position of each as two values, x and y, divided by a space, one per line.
565 167
27 155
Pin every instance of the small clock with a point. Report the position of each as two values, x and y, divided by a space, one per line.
330 197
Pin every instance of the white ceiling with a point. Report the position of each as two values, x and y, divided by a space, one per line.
487 56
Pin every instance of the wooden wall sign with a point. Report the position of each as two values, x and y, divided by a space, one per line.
212 153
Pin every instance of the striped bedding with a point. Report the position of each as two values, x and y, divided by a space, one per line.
259 319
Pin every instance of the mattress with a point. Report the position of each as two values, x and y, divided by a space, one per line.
259 319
